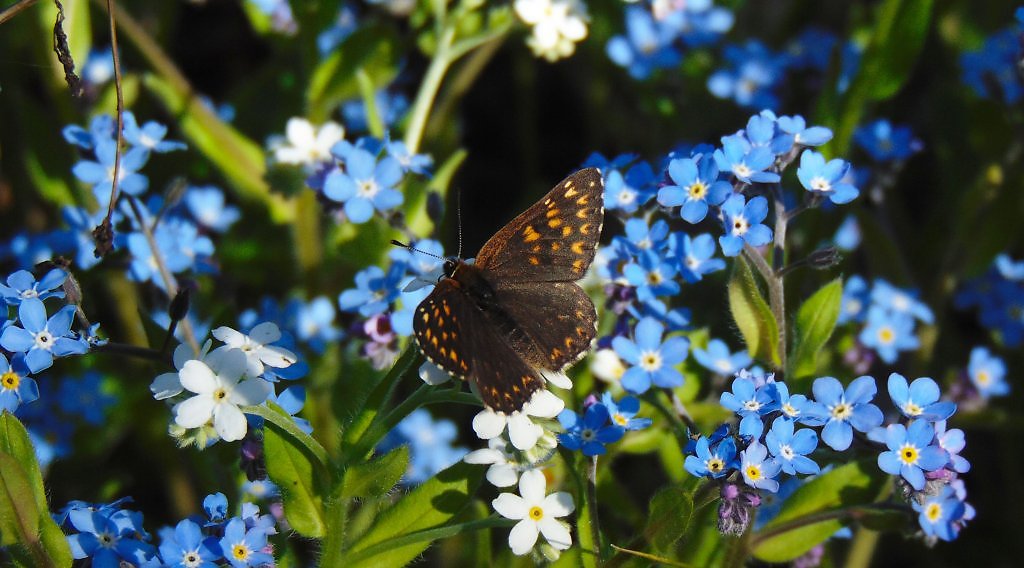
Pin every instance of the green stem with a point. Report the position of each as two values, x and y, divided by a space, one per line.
426 535
738 549
429 88
286 425
595 525
776 295
660 560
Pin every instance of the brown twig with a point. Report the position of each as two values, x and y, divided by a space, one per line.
14 9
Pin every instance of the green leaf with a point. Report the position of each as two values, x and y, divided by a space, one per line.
427 507
781 540
372 50
301 479
15 442
18 511
815 322
751 313
668 516
376 477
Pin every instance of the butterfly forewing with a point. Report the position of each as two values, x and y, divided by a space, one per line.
457 336
555 239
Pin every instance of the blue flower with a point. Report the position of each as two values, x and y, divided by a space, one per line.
885 142
42 339
750 402
85 397
391 108
825 178
22 285
987 373
314 323
652 275
107 537
243 547
855 300
415 163
802 135
911 452
714 463
374 291
719 359
920 399
628 192
207 206
216 507
900 301
591 433
430 445
695 255
696 185
812 49
101 172
149 136
796 407
992 72
643 237
763 130
751 76
365 185
652 360
647 45
757 471
845 411
888 333
940 514
848 235
743 224
186 547
791 448
953 442
748 163
623 413
16 387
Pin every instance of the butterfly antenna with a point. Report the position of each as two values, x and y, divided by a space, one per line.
458 216
414 249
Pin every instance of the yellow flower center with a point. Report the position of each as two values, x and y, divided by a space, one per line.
10 380
911 409
240 552
650 360
789 410
620 419
536 513
753 472
715 465
886 335
842 411
219 395
697 190
934 512
982 377
908 454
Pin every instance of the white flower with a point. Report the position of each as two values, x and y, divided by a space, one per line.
606 365
306 144
537 513
504 471
168 385
432 374
218 395
255 347
557 25
522 432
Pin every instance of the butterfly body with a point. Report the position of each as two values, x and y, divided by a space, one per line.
516 312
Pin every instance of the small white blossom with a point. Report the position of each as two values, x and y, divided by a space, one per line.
256 347
537 514
218 394
557 26
607 366
504 471
306 144
432 374
168 385
522 432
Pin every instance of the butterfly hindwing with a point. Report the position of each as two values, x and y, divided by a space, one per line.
557 321
555 239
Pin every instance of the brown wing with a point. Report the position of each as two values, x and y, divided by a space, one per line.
555 239
456 336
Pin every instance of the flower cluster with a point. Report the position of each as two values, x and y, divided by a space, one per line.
998 296
602 423
889 315
556 26
993 72
111 535
923 453
209 387
656 36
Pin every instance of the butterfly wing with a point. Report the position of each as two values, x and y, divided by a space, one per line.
557 321
457 337
555 239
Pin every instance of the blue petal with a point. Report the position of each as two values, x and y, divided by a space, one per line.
889 462
32 314
339 186
913 475
865 417
626 349
674 350
862 389
358 210
932 458
38 360
924 391
667 377
17 340
758 235
838 435
636 380
648 333
671 196
898 389
731 245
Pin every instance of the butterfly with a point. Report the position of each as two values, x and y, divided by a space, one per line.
517 312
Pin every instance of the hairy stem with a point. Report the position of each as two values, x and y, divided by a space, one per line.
428 89
595 525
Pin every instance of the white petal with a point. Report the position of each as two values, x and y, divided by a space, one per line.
290 155
229 422
229 336
277 356
511 506
544 404
532 485
194 412
502 475
197 377
560 380
522 537
484 456
522 432
300 132
606 365
250 391
545 34
182 353
555 532
233 365
558 504
432 374
330 133
487 424
264 333
166 386
574 29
